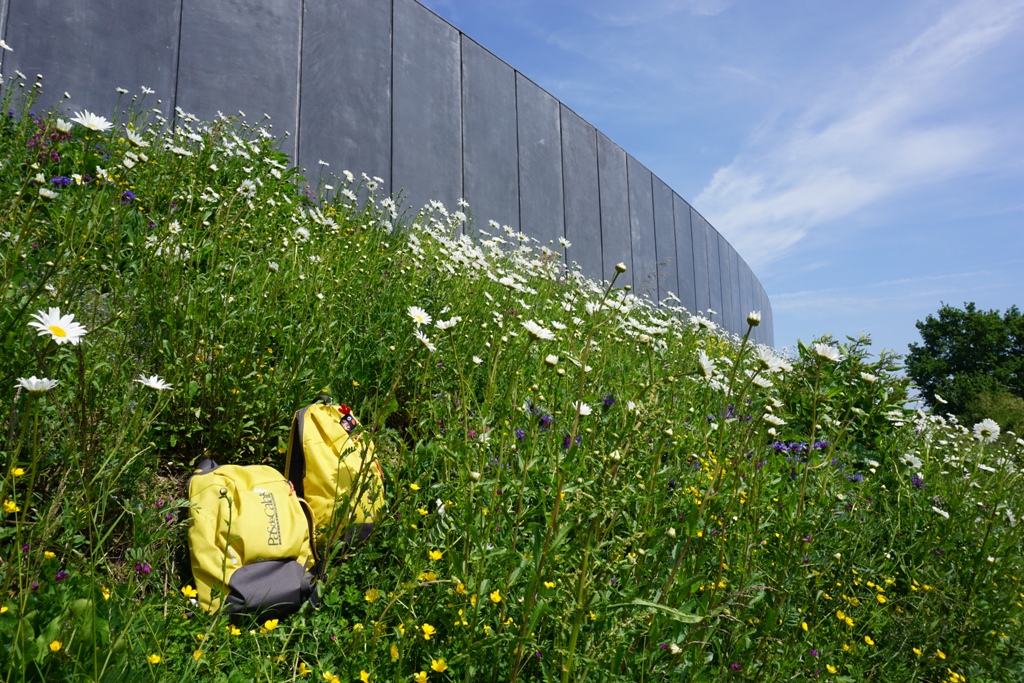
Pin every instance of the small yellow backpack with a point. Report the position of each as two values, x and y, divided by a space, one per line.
250 539
333 468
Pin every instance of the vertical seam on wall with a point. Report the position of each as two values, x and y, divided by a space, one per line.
177 61
3 29
629 224
391 105
519 155
462 133
600 207
654 223
298 81
565 208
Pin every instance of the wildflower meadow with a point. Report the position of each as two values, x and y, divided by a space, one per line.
580 484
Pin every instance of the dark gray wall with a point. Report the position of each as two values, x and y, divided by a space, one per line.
388 88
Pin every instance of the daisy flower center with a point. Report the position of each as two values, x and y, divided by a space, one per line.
57 331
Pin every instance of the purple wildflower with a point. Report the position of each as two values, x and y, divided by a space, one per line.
61 575
520 434
609 400
127 197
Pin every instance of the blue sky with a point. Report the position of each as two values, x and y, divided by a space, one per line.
866 159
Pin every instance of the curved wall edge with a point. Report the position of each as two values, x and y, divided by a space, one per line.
389 88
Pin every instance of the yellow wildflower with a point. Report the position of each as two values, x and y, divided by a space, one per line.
357 628
270 624
394 653
846 647
372 595
414 487
917 651
435 555
106 592
803 625
304 670
10 507
867 639
331 678
422 511
460 588
549 584
189 592
840 615
880 598
438 665
234 630
496 597
421 677
18 471
941 654
472 600
153 659
197 654
3 608
364 676
831 669
428 631
56 645
49 555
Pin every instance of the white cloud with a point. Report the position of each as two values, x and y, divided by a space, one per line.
889 127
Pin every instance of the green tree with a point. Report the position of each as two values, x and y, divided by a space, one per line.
974 360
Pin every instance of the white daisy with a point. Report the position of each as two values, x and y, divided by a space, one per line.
419 316
583 408
448 324
63 126
301 234
425 340
707 366
47 193
60 328
868 377
91 121
774 419
940 511
135 138
36 385
827 352
537 331
551 359
5 46
478 360
154 382
754 318
564 242
247 189
986 431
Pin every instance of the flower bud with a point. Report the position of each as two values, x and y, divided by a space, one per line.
620 267
754 318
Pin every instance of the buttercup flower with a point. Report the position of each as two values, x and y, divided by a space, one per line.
91 121
435 555
56 645
10 507
438 665
496 597
428 631
421 677
60 328
153 659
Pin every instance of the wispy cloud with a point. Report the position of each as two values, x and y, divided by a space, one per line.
893 126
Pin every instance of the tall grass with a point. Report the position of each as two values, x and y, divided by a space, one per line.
581 485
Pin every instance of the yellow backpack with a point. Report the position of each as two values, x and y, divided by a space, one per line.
334 469
250 539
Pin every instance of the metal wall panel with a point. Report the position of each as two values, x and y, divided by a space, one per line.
614 194
580 190
714 273
91 48
735 268
426 108
684 253
769 322
641 229
241 55
746 289
701 278
665 240
345 100
541 203
489 148
728 313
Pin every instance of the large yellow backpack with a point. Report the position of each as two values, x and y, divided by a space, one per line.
250 538
333 467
